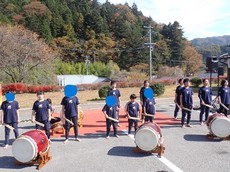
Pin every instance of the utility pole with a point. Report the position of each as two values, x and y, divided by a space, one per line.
87 62
150 44
94 56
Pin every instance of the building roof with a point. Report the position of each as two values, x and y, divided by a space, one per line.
80 79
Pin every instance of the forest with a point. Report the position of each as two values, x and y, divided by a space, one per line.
110 38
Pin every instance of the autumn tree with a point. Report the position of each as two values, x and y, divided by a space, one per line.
192 60
21 51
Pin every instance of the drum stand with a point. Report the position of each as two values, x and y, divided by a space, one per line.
57 130
159 150
42 159
213 137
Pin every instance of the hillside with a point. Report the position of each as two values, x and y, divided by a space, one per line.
83 30
218 40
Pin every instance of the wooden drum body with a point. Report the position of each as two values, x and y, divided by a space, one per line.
27 147
219 125
147 136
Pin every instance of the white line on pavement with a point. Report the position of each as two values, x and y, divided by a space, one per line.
165 161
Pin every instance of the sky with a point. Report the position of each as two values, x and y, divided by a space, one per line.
198 18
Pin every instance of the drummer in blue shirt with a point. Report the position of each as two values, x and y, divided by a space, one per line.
205 96
10 116
224 97
186 100
70 111
41 113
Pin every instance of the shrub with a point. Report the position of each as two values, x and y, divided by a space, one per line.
103 91
196 81
158 88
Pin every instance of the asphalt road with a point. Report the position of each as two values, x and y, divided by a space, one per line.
187 149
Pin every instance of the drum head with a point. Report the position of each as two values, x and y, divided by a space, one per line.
24 149
146 139
221 127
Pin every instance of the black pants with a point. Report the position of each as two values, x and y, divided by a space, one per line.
7 132
131 122
204 109
176 111
149 118
184 113
108 125
75 126
46 127
223 110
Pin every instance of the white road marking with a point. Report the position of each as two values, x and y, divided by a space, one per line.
165 161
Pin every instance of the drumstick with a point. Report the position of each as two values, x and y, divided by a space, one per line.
148 115
187 109
69 121
133 118
210 106
224 106
178 106
8 126
38 123
113 119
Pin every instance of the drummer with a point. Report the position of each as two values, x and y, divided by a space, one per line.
224 97
177 97
186 100
70 105
110 110
41 113
10 116
142 97
133 110
149 108
205 96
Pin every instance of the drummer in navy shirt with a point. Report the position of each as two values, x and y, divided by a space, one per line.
142 97
186 100
116 93
70 111
177 97
41 113
110 111
149 108
10 116
205 96
132 109
224 96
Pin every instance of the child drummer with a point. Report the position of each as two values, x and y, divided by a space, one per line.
186 100
70 105
10 116
110 111
41 113
132 111
149 109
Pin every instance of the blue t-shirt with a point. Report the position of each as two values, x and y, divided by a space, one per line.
142 95
187 97
70 104
149 106
110 111
41 110
178 91
224 93
132 109
116 93
205 94
10 111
